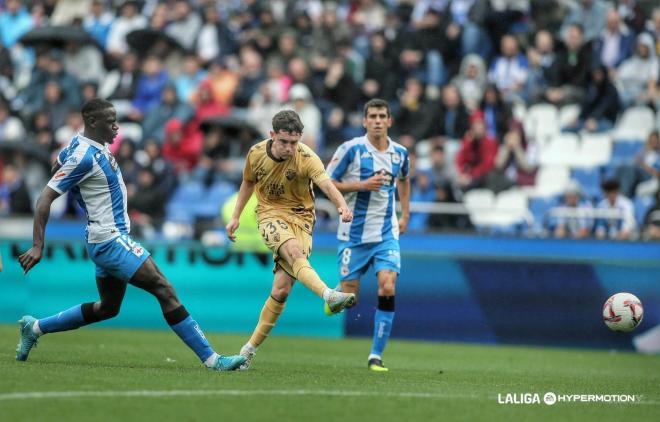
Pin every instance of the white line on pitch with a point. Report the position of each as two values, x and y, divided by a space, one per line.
170 393
193 393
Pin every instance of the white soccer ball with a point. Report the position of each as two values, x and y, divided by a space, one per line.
623 312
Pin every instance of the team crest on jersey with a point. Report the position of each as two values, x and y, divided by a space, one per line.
260 174
365 155
73 160
290 174
396 158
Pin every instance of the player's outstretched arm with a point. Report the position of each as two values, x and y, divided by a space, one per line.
403 187
32 257
336 197
244 194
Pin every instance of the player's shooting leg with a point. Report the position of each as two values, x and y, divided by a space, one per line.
351 286
150 278
300 267
273 307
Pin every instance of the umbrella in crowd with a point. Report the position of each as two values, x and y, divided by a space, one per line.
238 134
57 37
152 41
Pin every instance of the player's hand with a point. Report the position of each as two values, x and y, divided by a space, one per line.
374 183
403 225
346 214
30 258
231 227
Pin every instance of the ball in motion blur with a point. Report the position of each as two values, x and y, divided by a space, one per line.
623 312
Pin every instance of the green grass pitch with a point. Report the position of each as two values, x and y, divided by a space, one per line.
97 374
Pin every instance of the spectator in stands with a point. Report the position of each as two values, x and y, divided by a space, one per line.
515 163
451 119
146 203
185 26
590 14
98 22
645 170
11 127
190 78
471 81
149 87
251 76
380 76
298 72
68 84
183 145
414 116
55 104
637 77
326 38
263 106
497 113
224 81
15 20
442 171
621 227
14 195
632 13
578 225
615 43
570 71
509 70
73 125
422 190
303 104
600 107
129 20
215 40
167 108
652 220
653 28
476 157
541 58
84 62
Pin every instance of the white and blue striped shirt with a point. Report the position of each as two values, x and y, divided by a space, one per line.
91 173
374 216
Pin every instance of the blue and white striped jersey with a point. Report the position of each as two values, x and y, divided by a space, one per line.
91 173
374 216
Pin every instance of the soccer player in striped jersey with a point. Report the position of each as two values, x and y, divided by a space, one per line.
87 169
368 170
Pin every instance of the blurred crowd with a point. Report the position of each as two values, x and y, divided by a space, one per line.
195 84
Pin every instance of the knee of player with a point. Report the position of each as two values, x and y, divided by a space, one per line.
107 311
280 293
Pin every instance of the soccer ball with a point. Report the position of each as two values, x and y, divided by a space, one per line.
622 312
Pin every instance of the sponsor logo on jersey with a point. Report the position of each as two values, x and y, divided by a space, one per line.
365 155
59 175
138 250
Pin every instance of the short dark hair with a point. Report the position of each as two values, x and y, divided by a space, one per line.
611 185
288 121
93 106
376 103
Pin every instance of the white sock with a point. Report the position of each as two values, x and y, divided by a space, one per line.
210 361
36 329
249 348
327 293
372 356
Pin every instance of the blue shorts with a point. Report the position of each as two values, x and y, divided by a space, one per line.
120 257
355 260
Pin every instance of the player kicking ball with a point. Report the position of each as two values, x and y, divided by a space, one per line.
366 170
87 169
281 170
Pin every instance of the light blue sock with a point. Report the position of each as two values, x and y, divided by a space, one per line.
70 319
188 330
382 328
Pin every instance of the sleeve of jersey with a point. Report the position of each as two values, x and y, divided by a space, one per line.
317 173
248 174
405 167
340 161
71 173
